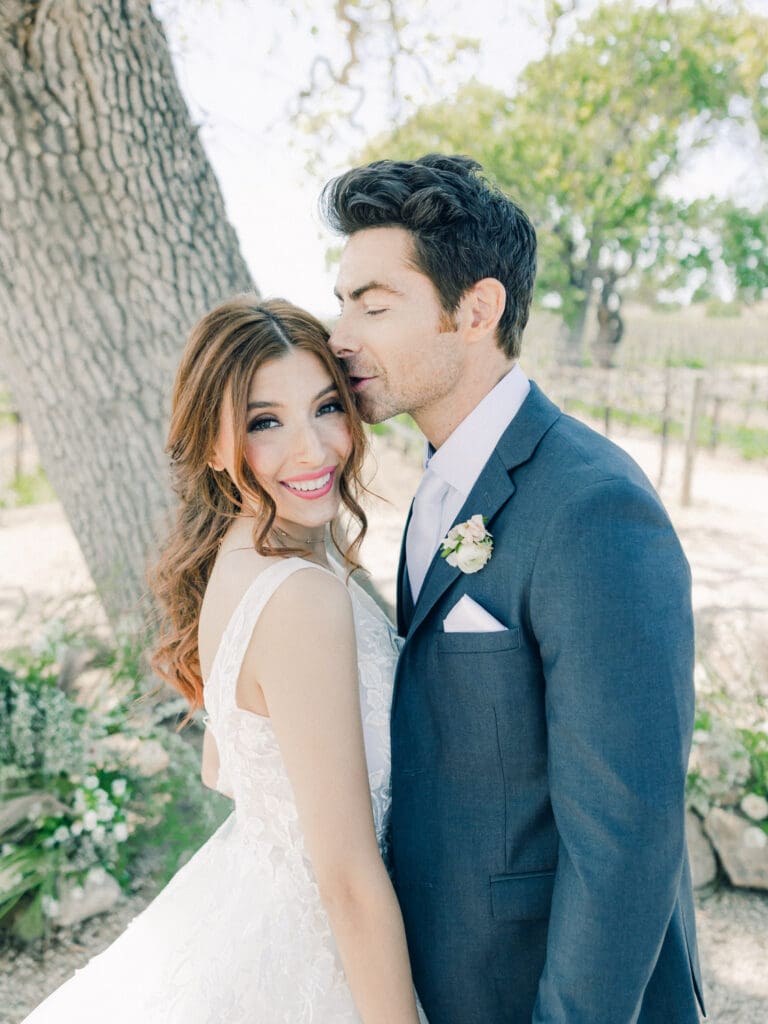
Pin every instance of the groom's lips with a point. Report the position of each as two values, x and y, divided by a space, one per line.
358 383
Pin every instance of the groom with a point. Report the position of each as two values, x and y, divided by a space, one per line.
543 702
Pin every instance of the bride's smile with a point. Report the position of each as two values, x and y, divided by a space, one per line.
297 441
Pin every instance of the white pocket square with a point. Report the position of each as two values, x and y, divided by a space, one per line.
467 616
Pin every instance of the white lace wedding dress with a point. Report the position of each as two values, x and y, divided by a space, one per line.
239 934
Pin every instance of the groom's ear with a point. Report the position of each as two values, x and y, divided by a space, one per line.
484 304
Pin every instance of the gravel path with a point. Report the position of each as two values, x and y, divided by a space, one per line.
733 943
725 539
25 980
732 930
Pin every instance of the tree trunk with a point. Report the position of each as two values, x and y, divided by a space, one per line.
609 333
581 277
113 240
610 324
572 346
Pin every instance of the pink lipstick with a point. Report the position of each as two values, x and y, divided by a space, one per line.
311 485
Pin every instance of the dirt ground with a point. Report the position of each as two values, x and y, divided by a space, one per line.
725 535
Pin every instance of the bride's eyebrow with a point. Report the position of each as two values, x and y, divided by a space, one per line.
278 405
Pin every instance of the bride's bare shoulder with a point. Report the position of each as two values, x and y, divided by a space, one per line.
307 593
232 574
312 593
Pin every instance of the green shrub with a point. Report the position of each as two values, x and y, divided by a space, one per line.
89 780
728 768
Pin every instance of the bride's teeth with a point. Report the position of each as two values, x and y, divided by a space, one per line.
311 485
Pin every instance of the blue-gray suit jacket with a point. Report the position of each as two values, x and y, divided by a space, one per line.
538 773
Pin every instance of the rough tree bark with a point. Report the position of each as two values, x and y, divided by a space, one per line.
113 240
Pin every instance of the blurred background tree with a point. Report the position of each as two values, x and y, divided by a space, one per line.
114 239
114 235
591 136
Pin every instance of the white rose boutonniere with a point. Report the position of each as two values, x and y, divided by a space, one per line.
468 545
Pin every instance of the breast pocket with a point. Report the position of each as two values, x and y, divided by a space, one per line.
479 643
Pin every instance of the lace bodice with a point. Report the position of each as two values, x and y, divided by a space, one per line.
251 766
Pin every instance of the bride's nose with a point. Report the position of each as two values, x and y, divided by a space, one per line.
309 447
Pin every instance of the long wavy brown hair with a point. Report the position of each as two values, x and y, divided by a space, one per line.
223 352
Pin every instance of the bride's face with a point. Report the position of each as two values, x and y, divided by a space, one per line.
297 438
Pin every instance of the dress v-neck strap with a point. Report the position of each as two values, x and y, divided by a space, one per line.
225 670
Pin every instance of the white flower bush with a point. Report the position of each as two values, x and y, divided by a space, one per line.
73 804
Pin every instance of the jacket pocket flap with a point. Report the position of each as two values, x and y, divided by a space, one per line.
477 643
522 897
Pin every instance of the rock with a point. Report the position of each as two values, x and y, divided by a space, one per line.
93 688
755 807
703 863
98 893
744 855
148 757
72 665
31 806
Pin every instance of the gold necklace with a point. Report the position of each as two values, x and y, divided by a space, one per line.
295 540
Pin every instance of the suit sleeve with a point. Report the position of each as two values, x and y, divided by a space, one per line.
610 607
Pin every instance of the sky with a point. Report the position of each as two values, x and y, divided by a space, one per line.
239 72
241 63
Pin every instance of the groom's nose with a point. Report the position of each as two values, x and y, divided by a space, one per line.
342 343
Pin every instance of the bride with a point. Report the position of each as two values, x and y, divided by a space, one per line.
287 914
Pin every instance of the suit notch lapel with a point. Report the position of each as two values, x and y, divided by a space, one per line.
493 488
404 596
491 492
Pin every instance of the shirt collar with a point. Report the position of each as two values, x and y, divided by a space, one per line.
460 458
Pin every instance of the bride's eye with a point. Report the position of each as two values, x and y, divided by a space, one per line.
327 407
262 423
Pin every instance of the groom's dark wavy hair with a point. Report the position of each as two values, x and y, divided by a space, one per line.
463 228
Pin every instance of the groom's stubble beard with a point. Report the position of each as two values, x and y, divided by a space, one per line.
382 400
434 372
376 409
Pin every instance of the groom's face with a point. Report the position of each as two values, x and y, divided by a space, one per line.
400 349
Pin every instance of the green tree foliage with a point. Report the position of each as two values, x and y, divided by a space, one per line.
729 236
744 237
590 137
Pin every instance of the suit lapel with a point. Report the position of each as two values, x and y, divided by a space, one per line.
404 596
491 492
493 489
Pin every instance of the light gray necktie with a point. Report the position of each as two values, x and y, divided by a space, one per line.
424 529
